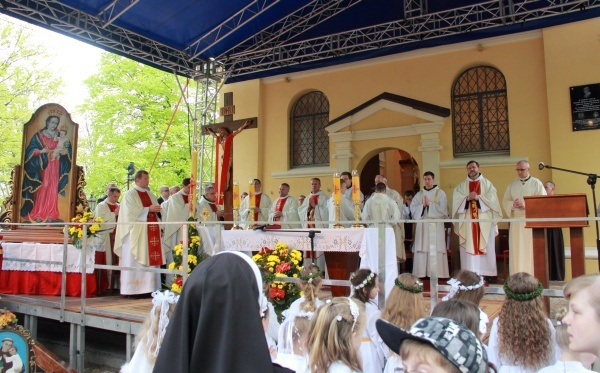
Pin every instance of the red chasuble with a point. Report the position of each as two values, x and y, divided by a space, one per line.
475 186
222 173
154 246
279 207
257 204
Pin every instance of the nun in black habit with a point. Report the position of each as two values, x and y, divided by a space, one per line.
216 326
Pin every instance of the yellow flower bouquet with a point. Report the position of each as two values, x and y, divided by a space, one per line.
76 231
280 262
195 256
7 318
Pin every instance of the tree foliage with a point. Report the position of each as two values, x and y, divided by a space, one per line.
128 111
26 82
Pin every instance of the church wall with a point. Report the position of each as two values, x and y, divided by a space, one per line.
571 52
538 72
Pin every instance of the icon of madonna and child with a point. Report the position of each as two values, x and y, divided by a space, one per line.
47 163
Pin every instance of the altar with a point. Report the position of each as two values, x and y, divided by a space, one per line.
25 277
364 241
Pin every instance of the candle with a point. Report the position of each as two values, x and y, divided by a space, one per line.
193 178
236 195
337 193
355 187
251 200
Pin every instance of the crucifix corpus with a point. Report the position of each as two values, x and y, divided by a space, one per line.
224 133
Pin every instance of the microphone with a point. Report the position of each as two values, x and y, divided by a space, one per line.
541 165
260 227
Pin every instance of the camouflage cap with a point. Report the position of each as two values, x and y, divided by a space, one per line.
454 341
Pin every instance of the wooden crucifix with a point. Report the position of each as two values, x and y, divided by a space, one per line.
224 133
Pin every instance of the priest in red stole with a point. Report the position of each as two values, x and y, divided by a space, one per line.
262 204
139 245
175 210
476 198
108 211
284 211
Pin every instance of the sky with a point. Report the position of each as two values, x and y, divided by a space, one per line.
72 60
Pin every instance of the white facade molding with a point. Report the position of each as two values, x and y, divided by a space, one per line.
484 161
304 172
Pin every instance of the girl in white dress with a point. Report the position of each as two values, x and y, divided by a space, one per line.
570 361
522 337
365 286
152 332
468 285
335 337
310 284
403 307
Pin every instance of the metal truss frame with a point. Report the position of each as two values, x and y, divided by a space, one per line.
272 48
421 27
67 20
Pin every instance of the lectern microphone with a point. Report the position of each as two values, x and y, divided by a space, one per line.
541 165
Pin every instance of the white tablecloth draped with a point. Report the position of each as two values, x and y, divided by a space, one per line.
364 241
45 252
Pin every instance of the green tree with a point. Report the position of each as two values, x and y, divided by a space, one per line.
128 112
26 83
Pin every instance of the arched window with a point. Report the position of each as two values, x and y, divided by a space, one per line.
309 139
480 112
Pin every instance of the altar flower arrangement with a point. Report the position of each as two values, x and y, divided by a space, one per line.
195 256
281 262
7 318
76 231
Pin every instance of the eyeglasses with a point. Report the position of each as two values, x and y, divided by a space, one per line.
521 169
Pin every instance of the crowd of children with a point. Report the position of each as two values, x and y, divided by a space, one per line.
215 326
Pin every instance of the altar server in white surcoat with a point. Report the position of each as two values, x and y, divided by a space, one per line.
476 198
314 207
175 209
108 210
346 207
285 209
380 207
262 203
398 228
139 245
429 203
520 238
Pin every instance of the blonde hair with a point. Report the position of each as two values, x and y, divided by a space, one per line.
150 328
403 308
424 352
524 334
585 282
468 278
562 337
310 287
461 311
332 330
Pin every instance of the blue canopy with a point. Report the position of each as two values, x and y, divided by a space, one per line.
252 39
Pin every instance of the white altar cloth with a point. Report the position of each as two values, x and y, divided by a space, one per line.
46 252
364 241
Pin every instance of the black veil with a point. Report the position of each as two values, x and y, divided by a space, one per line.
216 326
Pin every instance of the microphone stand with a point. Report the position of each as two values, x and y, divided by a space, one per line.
591 180
311 235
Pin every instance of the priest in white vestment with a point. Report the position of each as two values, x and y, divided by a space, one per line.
208 210
312 212
476 198
520 239
346 207
176 209
379 207
139 245
284 211
314 207
398 228
262 203
108 211
347 177
429 203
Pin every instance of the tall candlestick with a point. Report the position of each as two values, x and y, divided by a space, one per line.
251 195
236 194
193 178
355 187
337 192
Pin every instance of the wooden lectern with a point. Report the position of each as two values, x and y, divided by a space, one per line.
557 206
